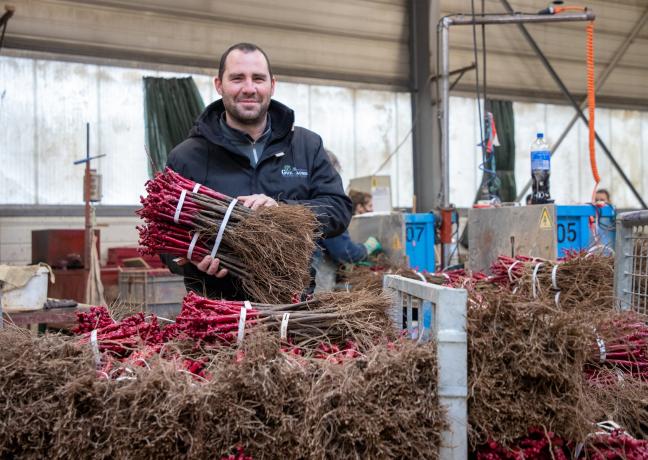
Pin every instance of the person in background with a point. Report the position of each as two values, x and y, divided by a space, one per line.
362 202
245 145
341 248
602 195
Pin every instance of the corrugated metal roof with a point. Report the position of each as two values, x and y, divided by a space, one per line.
359 40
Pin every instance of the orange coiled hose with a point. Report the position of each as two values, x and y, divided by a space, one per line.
591 102
591 91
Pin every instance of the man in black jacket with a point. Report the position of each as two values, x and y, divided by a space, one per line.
246 145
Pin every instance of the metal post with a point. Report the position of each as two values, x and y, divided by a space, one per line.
573 101
445 109
600 81
88 212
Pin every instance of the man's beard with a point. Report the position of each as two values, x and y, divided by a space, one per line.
246 118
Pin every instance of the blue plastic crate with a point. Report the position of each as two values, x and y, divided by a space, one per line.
573 227
419 247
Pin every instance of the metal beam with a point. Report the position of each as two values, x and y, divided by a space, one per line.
516 18
600 81
573 101
425 133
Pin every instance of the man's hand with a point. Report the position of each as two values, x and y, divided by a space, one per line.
207 265
256 201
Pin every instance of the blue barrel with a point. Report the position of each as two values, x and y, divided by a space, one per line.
419 247
573 229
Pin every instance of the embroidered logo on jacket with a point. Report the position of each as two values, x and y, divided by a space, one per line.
292 171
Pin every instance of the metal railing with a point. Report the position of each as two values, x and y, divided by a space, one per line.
431 312
631 261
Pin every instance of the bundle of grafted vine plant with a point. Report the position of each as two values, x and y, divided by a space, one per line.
382 404
268 249
621 346
361 277
336 317
581 280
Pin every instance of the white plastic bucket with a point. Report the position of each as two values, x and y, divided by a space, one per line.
32 296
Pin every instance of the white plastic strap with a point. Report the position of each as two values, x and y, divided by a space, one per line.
557 299
554 282
241 326
247 304
192 245
420 275
221 230
510 275
181 201
534 280
94 346
602 349
283 330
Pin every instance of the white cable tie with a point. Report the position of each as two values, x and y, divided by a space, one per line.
247 304
176 216
283 330
420 275
602 349
554 282
192 245
94 346
534 279
509 270
241 326
181 200
557 299
221 230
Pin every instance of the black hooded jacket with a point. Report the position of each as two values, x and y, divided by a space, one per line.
293 169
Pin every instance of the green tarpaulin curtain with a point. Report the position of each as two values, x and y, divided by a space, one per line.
505 153
170 107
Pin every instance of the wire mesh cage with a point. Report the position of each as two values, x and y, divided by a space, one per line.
631 261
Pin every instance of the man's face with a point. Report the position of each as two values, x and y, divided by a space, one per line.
246 87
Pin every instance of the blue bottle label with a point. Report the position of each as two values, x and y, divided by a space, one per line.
540 159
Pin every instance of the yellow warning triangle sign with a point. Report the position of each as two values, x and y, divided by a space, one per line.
545 219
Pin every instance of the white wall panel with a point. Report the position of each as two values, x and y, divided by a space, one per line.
121 135
331 116
403 159
374 118
465 155
297 97
625 130
111 98
18 138
66 98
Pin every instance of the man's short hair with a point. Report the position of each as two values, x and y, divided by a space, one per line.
246 48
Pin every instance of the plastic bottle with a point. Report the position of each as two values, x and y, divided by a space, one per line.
540 170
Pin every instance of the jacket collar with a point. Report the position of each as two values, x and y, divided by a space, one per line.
207 125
